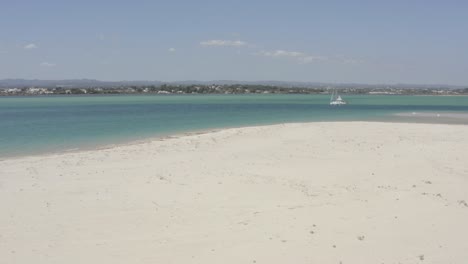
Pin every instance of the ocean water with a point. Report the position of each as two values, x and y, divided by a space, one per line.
34 125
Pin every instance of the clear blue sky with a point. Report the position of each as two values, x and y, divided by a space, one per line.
375 41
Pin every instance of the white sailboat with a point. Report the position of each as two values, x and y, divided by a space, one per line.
336 99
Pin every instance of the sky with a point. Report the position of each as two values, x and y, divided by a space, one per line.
348 41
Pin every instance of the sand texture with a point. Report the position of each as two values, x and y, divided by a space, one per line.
297 193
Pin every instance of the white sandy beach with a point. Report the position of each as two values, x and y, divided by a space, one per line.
297 193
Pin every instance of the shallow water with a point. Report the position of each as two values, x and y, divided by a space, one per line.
31 125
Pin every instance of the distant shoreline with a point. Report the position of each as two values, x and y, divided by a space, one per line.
229 89
219 94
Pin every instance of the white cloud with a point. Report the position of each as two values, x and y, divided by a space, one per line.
310 59
305 58
30 46
346 60
171 49
282 53
47 64
223 43
298 56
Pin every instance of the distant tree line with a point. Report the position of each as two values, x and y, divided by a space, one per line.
226 89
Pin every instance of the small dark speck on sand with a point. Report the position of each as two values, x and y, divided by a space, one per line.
421 257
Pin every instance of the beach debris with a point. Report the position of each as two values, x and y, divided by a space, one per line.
156 205
361 238
421 257
463 202
427 182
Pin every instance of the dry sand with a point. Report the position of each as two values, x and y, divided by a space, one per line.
297 193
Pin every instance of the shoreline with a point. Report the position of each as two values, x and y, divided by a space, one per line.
422 119
440 114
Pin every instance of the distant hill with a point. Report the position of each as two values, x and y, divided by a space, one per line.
72 83
91 83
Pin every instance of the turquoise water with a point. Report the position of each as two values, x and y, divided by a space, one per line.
31 125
